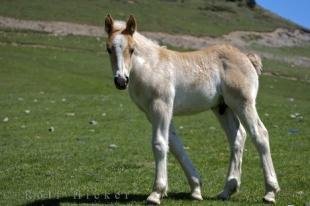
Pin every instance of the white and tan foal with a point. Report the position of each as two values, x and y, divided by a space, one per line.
164 83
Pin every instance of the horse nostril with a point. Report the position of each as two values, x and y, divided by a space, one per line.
120 82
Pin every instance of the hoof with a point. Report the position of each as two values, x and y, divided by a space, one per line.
231 187
224 195
153 199
196 194
270 198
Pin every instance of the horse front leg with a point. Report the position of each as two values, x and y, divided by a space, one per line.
236 136
160 117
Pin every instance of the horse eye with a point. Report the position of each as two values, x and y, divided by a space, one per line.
109 50
131 51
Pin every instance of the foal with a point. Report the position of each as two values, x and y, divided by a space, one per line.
164 83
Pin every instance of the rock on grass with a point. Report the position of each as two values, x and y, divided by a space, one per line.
113 146
51 129
293 131
70 114
93 122
297 116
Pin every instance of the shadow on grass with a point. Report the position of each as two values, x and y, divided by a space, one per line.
109 198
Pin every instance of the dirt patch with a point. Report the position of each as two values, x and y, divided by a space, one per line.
54 27
298 60
41 46
242 39
278 38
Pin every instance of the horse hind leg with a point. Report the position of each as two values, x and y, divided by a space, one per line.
249 117
236 136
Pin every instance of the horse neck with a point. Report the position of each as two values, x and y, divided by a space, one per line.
147 51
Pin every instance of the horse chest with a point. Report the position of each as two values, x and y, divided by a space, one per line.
139 96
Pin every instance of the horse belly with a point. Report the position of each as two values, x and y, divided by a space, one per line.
194 101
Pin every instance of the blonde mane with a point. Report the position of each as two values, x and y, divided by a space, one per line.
121 25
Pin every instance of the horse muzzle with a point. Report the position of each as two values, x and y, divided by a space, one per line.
121 83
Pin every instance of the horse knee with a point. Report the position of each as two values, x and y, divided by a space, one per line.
160 148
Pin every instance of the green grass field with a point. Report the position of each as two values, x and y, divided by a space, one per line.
66 82
196 17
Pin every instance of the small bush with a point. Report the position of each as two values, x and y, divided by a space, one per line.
251 3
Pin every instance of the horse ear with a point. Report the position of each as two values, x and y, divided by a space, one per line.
131 25
108 24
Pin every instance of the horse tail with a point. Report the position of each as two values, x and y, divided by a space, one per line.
256 62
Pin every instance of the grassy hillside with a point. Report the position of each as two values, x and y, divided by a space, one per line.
196 17
66 82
